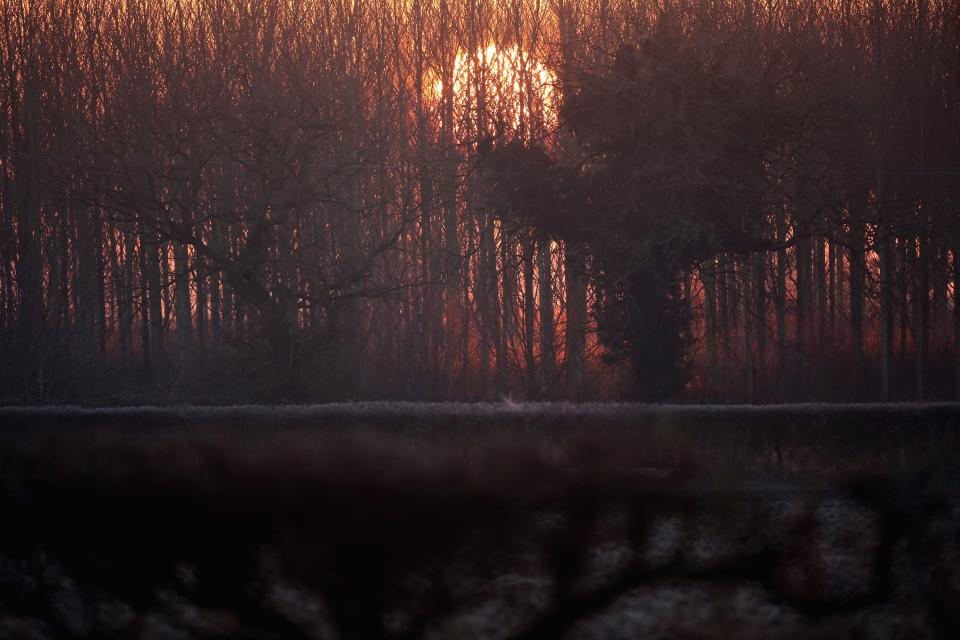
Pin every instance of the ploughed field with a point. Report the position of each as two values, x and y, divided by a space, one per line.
480 521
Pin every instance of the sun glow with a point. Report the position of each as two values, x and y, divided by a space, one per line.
501 91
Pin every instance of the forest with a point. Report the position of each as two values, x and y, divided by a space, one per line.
479 319
671 200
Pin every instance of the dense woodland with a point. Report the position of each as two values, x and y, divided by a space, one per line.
733 200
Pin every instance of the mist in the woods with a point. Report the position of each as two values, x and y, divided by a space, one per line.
714 200
396 319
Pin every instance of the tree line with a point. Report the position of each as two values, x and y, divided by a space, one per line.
215 200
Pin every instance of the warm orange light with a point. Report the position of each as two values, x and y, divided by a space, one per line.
501 90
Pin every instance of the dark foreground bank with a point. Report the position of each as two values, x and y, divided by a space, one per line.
480 521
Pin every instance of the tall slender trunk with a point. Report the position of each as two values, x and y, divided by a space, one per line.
923 313
182 304
101 291
956 315
126 292
820 259
905 276
167 276
529 312
575 338
487 329
802 256
151 248
840 328
857 274
200 279
117 307
216 305
760 309
748 324
884 250
452 272
428 312
708 275
30 286
351 312
146 308
497 321
492 336
229 299
547 348
832 294
508 271
723 327
87 279
781 303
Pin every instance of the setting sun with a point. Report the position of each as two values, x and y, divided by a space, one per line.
509 91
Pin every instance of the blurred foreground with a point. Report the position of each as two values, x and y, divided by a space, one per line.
480 521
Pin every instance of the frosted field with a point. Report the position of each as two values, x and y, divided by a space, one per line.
480 521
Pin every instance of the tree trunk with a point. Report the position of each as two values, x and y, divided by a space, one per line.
547 349
905 276
453 277
760 310
200 278
923 313
840 297
748 324
428 312
488 301
857 273
30 286
126 314
956 316
832 294
182 304
575 338
820 258
216 305
802 255
781 312
508 244
708 275
886 311
529 313
723 327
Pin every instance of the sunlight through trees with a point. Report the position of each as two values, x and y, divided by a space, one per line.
432 199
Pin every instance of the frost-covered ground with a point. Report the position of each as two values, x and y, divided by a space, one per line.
480 521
